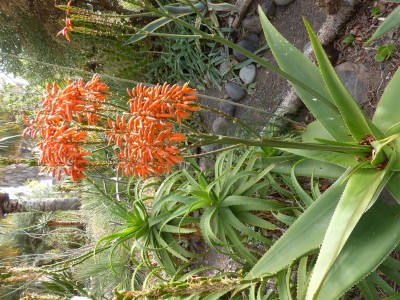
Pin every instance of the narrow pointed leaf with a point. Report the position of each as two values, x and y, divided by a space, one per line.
292 61
393 186
390 22
368 290
352 114
385 115
299 189
149 28
372 240
310 167
180 10
338 158
361 190
221 6
304 236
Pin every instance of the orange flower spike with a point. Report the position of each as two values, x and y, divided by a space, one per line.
55 88
190 97
177 137
66 29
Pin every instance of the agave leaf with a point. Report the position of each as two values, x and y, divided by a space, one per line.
284 285
362 189
302 278
230 218
394 187
310 167
304 236
149 28
337 158
390 22
237 243
382 284
315 130
292 61
253 180
300 191
385 116
391 273
368 290
352 114
395 296
182 10
221 6
376 233
253 220
243 200
177 229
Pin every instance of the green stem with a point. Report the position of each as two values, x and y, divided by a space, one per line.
5 161
212 139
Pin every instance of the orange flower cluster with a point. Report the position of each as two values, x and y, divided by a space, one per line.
68 25
144 135
60 150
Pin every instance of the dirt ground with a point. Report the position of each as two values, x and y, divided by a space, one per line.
270 89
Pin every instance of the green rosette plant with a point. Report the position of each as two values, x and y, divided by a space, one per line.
353 226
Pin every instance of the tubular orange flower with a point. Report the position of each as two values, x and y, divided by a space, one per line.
148 150
144 135
66 29
60 150
163 101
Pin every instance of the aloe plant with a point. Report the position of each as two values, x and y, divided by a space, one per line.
351 220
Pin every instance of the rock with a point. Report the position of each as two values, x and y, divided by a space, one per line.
248 73
235 91
247 44
205 165
227 108
220 126
356 79
209 148
283 2
252 24
269 8
254 38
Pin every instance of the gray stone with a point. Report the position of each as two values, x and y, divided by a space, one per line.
269 8
253 37
227 108
248 73
252 24
247 44
283 2
356 79
235 91
205 165
220 126
209 148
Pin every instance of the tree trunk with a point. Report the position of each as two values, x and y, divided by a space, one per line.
9 206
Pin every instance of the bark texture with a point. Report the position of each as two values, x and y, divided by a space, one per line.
9 206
